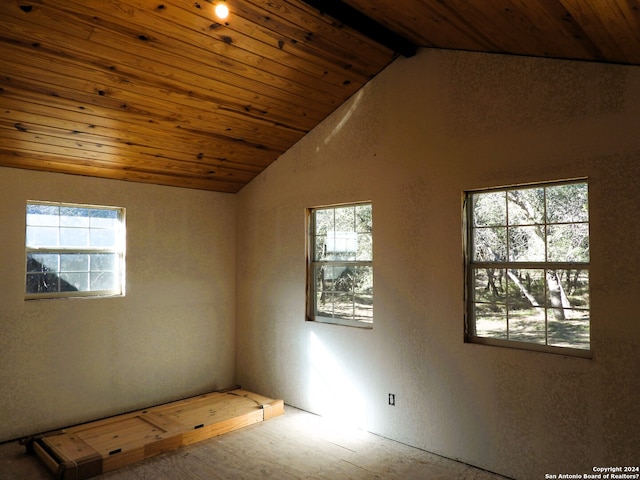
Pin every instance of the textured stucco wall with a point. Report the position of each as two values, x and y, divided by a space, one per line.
411 141
67 361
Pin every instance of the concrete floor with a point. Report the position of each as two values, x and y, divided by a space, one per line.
297 445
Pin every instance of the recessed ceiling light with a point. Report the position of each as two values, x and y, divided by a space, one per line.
222 11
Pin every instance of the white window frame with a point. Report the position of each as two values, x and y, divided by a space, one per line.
344 240
117 249
471 335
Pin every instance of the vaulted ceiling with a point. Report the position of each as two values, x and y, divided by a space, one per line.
164 92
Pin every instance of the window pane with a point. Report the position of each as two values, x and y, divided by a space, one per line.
42 282
74 217
365 247
74 237
526 289
74 262
364 219
568 243
490 286
320 247
43 215
490 244
526 244
567 203
526 206
71 282
345 219
42 262
572 331
323 221
491 323
489 209
103 281
106 262
42 236
104 218
568 289
527 325
103 238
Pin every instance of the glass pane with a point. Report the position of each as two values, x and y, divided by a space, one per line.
343 305
526 207
103 262
490 323
43 215
567 289
526 290
572 331
37 262
345 219
324 221
103 238
74 237
74 217
103 281
104 218
364 219
489 286
324 304
71 282
489 209
568 243
320 247
489 244
526 244
74 262
364 247
42 236
527 325
363 307
363 280
42 282
567 203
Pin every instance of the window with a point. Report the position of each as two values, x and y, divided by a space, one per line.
340 268
528 267
74 250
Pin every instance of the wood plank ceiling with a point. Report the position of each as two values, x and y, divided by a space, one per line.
164 92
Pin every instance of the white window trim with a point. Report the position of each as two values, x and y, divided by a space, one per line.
119 250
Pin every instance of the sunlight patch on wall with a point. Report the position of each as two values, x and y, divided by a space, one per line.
331 392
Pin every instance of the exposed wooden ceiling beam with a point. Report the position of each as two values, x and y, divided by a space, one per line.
357 20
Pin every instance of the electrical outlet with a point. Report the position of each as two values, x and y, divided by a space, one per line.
392 399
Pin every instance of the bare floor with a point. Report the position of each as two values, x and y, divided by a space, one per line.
297 445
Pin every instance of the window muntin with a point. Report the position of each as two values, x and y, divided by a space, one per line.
74 250
528 267
340 269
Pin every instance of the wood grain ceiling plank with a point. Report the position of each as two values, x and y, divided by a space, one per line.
109 155
171 150
116 49
192 134
221 145
298 25
105 87
229 48
429 23
34 161
613 25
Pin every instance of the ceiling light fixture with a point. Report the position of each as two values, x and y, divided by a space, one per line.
222 11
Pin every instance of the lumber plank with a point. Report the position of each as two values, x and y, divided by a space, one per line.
104 445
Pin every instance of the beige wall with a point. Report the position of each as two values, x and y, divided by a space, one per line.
173 334
417 136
